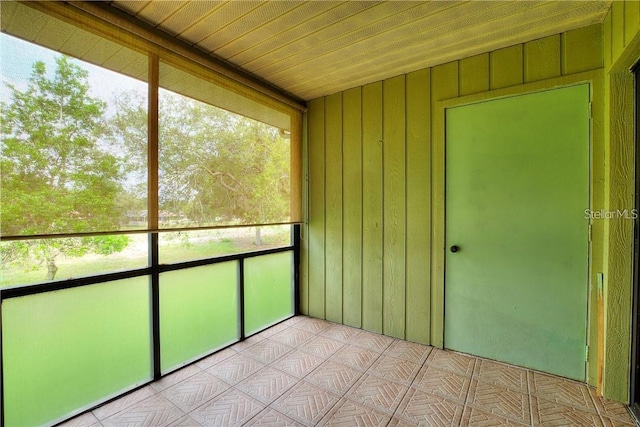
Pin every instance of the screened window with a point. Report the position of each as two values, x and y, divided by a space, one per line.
65 136
76 143
102 141
64 168
217 167
180 246
138 189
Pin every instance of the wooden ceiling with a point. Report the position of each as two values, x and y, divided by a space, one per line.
315 48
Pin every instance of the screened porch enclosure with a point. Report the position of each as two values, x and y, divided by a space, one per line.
150 215
70 345
181 182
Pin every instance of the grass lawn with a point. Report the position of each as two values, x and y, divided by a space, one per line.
173 247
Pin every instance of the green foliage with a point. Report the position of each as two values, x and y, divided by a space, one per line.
60 172
215 166
57 176
30 254
105 245
13 252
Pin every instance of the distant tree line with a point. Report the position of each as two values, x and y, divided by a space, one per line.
69 166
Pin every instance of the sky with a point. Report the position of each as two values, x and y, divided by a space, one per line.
17 57
16 62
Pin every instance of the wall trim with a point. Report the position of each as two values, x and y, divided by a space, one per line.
597 183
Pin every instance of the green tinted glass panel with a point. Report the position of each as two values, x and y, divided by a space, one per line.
66 350
268 287
198 312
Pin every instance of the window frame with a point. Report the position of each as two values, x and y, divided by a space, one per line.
99 19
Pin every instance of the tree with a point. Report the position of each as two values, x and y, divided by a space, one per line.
214 165
57 173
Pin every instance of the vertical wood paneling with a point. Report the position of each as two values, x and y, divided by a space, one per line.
631 19
333 207
582 49
394 217
618 273
617 28
506 67
418 94
620 30
372 207
542 59
352 207
316 208
474 74
607 40
304 241
391 224
444 85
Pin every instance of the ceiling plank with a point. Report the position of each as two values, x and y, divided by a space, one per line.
266 12
312 48
439 55
427 28
188 16
132 6
314 43
274 28
223 16
155 12
299 32
482 37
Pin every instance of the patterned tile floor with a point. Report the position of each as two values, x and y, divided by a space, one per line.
307 372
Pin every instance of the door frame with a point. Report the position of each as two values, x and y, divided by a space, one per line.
596 197
634 382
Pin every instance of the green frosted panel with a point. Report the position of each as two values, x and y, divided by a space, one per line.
516 193
65 350
268 290
198 312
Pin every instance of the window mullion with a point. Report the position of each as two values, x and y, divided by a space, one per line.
152 209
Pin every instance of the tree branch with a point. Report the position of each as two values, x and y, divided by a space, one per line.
220 176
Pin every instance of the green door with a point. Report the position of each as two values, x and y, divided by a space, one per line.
517 188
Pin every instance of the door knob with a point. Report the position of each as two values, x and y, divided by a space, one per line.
454 248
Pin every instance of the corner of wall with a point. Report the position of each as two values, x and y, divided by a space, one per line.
621 48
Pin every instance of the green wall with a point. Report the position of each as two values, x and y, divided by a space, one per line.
367 242
621 50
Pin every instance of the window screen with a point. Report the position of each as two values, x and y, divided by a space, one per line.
76 136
